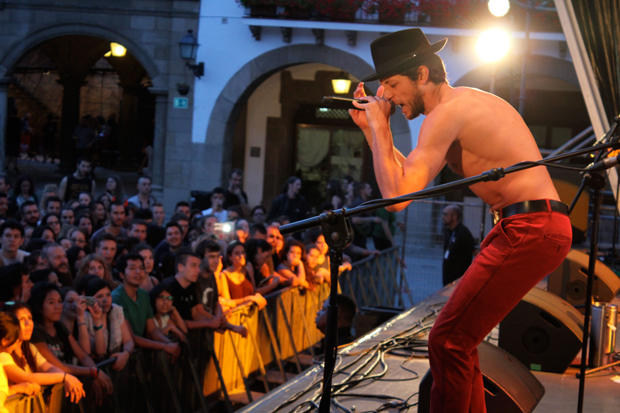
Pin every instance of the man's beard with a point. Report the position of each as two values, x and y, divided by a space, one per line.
416 105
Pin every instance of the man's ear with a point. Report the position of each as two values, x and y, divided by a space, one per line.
423 75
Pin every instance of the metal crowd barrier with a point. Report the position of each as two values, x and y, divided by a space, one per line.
227 369
378 281
279 345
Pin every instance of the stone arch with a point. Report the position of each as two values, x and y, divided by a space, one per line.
19 48
243 83
537 65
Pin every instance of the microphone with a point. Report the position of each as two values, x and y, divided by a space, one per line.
337 102
603 165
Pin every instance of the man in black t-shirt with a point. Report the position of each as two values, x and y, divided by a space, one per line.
206 284
458 245
80 181
182 288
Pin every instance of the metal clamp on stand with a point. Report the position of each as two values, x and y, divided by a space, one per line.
338 235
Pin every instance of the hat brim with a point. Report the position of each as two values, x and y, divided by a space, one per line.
406 64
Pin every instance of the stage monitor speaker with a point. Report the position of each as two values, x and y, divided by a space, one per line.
543 332
509 386
569 280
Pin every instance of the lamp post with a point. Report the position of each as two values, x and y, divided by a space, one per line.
188 46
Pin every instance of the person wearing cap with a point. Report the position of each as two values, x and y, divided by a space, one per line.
472 132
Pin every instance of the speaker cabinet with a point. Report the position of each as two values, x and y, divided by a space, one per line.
543 332
569 280
509 386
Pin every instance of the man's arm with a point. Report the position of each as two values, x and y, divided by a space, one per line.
359 117
438 132
62 188
201 319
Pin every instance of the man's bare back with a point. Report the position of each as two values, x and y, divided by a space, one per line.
470 130
494 135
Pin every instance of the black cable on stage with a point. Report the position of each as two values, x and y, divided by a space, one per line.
408 339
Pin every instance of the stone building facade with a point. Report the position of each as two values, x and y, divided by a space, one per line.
76 33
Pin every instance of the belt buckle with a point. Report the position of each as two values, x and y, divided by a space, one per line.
497 216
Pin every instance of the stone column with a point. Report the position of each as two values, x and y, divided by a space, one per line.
4 96
158 163
70 119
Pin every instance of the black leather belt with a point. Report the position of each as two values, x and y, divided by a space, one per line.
525 207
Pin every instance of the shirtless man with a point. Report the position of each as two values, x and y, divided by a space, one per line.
472 131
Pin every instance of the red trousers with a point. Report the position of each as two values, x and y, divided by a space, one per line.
519 251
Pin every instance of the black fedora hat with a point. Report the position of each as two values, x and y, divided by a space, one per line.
396 52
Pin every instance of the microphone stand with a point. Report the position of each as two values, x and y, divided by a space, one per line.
338 234
596 182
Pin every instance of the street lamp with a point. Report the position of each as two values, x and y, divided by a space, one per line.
499 8
188 46
341 84
116 50
492 46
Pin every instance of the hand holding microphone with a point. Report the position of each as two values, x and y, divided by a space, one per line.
337 102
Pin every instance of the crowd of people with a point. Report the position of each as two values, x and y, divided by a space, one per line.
87 274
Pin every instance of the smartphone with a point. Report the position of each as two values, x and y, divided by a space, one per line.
223 230
90 301
265 281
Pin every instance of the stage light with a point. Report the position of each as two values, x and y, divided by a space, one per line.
341 84
499 8
117 50
493 45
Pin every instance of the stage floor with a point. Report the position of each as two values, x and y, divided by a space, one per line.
602 390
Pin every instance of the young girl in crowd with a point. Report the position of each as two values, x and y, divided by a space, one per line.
28 365
9 335
166 316
314 272
44 232
95 264
237 286
75 256
316 237
109 332
99 214
85 223
292 267
24 190
114 188
53 220
148 255
73 317
258 252
77 237
53 340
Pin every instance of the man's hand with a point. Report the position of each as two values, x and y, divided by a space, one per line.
74 388
359 116
25 388
121 360
378 109
173 349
